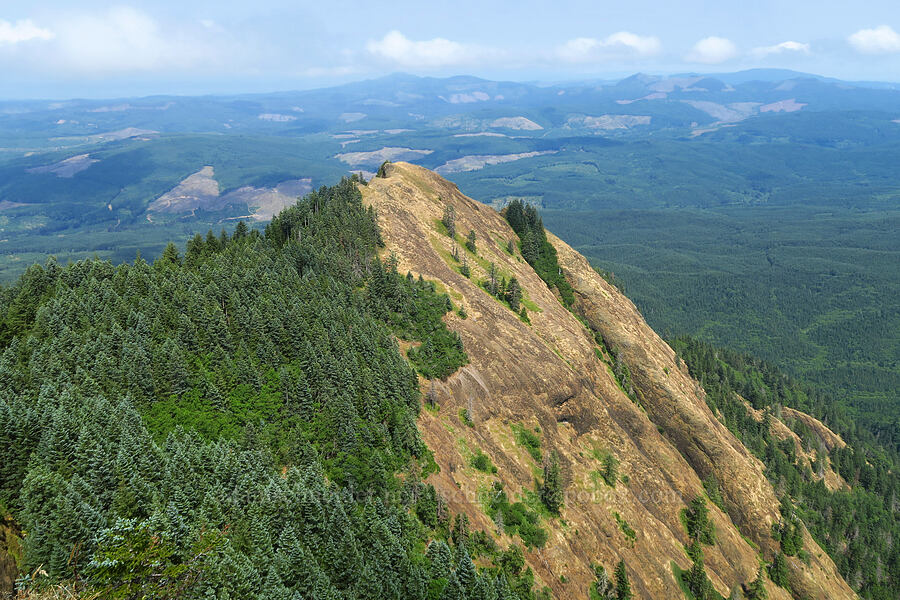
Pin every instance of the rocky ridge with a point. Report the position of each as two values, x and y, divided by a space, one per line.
550 376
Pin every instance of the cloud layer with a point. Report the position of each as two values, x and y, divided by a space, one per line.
712 51
623 44
150 42
438 52
120 40
788 47
22 31
880 40
125 39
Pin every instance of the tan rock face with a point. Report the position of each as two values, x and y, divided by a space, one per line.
548 376
827 438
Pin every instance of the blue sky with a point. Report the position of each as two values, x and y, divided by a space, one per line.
61 49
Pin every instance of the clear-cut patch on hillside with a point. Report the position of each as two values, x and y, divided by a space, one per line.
66 168
479 161
609 122
790 105
200 191
376 157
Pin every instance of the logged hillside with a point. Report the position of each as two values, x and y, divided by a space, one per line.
595 387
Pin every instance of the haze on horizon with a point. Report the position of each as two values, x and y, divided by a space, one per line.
49 49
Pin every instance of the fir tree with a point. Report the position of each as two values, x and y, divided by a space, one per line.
493 286
449 220
757 588
551 491
610 472
623 585
699 527
465 569
470 241
453 590
697 581
778 571
513 294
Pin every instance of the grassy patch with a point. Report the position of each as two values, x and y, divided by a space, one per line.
629 532
529 303
528 439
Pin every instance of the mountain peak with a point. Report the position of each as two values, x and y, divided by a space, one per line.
554 375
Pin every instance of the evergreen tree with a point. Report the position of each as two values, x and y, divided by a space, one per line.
454 589
778 571
170 256
465 570
449 220
610 472
757 588
699 527
623 585
492 285
459 533
513 294
601 587
439 556
551 491
697 581
470 241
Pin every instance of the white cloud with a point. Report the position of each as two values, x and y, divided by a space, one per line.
782 48
712 51
880 40
122 39
438 52
22 31
619 44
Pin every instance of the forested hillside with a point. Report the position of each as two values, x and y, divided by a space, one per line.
856 525
243 420
235 422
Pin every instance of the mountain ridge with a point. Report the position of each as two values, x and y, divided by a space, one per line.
549 373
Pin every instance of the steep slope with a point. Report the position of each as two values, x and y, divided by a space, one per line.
826 438
548 375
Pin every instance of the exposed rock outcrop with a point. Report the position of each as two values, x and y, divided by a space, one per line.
550 375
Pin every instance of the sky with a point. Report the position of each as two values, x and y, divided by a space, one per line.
65 49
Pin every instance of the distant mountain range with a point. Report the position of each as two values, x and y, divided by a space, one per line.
94 172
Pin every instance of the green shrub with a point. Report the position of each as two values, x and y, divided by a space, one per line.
482 462
529 440
516 518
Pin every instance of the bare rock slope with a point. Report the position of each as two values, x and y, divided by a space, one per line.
549 376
